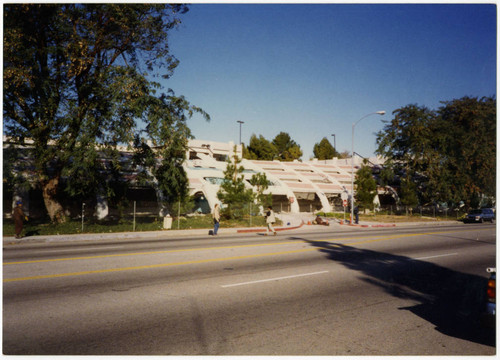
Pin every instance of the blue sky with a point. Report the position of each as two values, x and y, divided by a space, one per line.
311 70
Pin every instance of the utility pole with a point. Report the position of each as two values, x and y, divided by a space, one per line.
240 122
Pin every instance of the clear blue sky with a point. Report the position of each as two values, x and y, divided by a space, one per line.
311 70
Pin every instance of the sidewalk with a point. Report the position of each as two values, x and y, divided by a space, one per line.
146 235
289 223
299 222
366 224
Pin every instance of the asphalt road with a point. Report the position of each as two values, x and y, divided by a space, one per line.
397 291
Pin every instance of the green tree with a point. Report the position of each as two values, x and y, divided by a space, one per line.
260 148
408 192
261 184
79 80
287 149
233 192
448 154
467 128
324 150
344 155
409 147
366 186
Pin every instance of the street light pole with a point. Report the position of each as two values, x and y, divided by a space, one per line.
334 142
352 160
240 122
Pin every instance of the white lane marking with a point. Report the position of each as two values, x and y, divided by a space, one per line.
274 279
84 249
435 256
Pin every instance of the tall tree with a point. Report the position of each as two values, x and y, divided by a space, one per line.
468 128
260 148
408 192
233 192
408 144
324 150
449 154
79 80
260 182
366 186
287 149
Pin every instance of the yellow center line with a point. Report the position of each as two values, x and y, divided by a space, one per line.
190 262
376 238
146 253
370 239
169 251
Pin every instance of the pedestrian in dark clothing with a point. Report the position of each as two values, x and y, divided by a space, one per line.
216 217
356 214
19 218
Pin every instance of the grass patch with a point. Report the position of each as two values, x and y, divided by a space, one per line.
75 227
383 218
402 218
33 228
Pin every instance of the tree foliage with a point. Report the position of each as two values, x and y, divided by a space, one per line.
324 150
260 148
260 182
233 193
448 154
282 148
287 149
408 193
80 80
366 186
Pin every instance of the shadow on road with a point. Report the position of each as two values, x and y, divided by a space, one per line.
451 300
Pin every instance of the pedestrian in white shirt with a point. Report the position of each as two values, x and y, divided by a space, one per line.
270 220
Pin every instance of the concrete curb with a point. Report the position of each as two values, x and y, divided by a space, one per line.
149 235
165 234
370 225
265 229
398 224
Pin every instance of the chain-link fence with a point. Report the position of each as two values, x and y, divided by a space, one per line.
423 211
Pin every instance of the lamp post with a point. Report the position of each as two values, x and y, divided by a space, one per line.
352 159
240 122
334 142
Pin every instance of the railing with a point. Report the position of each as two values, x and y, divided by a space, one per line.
423 211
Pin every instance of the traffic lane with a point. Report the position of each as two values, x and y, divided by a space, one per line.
53 250
58 261
249 276
415 242
75 266
122 318
333 312
19 252
50 250
79 265
426 245
450 287
405 241
96 266
102 282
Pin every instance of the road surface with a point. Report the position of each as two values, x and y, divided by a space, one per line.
395 291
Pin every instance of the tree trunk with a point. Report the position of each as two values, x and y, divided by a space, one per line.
53 206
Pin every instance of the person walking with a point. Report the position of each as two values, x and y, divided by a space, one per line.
356 214
216 217
270 220
19 218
